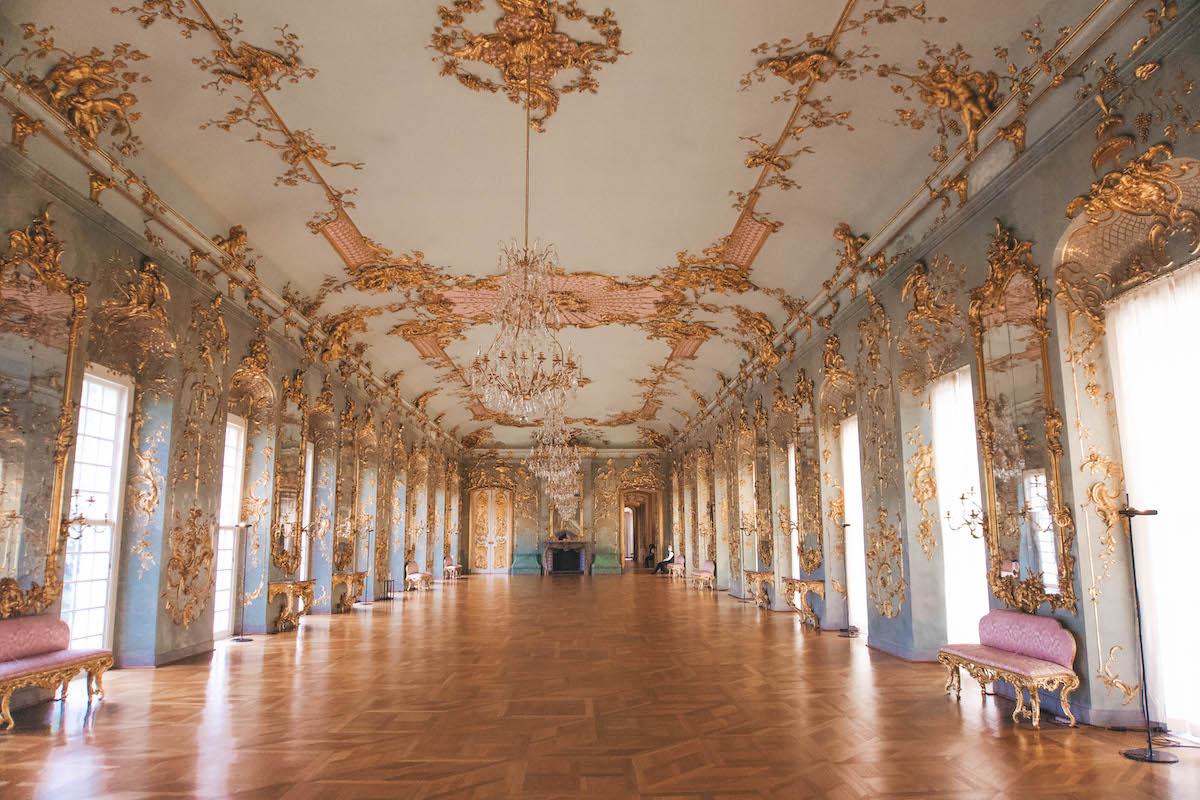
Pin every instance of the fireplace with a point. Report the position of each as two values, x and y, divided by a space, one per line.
566 561
567 558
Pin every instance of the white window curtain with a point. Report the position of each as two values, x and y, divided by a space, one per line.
856 548
956 469
227 536
793 514
1152 337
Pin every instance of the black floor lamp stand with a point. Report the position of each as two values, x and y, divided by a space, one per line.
242 543
1148 753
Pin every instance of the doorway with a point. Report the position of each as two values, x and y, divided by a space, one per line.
491 530
640 526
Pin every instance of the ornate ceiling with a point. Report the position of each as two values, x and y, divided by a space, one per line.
708 170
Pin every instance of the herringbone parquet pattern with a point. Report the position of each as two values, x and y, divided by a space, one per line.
614 687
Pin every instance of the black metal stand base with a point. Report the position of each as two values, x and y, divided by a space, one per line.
1149 755
242 639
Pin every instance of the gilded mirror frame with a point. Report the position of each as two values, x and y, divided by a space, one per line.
1008 258
808 477
37 248
348 441
288 559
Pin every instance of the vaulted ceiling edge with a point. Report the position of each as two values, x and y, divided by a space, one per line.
548 49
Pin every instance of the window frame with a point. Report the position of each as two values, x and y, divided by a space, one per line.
121 443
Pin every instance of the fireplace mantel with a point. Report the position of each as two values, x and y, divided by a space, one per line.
559 545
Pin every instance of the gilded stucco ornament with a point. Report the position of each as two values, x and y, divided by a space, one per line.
191 555
643 473
1144 187
923 483
22 128
90 91
935 326
528 49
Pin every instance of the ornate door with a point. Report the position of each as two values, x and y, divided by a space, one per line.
491 530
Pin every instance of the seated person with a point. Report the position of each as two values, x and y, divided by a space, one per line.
662 565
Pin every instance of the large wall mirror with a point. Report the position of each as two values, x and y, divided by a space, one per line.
808 477
41 311
345 526
287 515
1028 526
762 487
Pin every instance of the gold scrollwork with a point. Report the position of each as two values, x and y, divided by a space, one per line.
188 577
528 49
924 489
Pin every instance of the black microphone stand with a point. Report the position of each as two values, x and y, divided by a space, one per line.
241 613
1148 753
850 631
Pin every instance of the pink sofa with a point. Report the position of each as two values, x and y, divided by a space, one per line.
34 652
1026 650
706 576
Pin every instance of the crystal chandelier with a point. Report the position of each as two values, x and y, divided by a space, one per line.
557 463
525 372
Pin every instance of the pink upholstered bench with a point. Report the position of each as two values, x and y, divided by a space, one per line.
676 569
1028 651
33 652
705 576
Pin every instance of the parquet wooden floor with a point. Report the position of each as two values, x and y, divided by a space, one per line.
614 687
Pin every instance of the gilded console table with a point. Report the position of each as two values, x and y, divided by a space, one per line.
754 585
302 592
799 586
354 583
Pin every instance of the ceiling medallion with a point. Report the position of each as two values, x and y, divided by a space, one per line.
528 50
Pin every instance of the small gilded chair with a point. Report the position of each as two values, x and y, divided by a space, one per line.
706 576
451 570
676 568
414 578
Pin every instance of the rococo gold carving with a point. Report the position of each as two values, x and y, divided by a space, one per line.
527 48
90 91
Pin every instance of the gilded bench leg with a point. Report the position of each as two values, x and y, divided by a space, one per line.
1020 709
1035 700
62 694
5 716
1068 687
96 682
954 681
